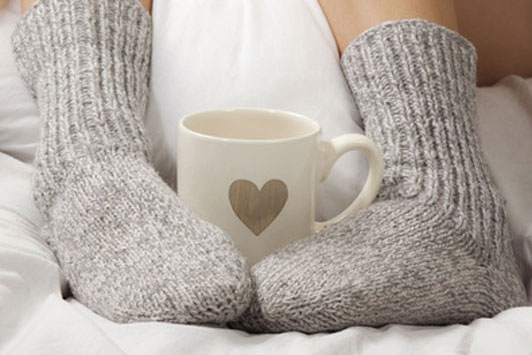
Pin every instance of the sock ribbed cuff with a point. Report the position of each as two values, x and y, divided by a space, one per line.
87 62
414 84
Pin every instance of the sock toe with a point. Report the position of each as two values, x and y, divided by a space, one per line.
143 255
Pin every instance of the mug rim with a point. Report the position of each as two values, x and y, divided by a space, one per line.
316 128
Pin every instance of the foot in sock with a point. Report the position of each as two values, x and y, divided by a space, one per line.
435 246
130 249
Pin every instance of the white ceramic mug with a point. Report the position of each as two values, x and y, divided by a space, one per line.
254 173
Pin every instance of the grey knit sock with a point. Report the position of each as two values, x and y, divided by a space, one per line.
435 247
131 250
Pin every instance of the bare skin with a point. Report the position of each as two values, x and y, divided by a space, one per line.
502 33
500 30
349 18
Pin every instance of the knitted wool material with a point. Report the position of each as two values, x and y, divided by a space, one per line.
435 246
130 249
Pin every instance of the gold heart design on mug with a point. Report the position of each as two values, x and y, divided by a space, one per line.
257 209
224 156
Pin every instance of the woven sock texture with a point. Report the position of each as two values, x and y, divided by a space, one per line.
435 246
130 249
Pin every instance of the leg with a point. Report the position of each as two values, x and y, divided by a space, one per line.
129 247
501 32
435 246
349 18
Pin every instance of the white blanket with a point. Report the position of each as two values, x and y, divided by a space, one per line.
35 319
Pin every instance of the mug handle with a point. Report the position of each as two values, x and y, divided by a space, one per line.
331 151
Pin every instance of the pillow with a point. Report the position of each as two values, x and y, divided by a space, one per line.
275 54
